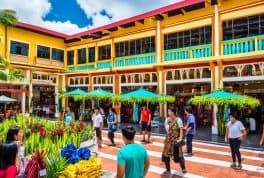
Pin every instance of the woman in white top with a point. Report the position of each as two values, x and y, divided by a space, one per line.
235 131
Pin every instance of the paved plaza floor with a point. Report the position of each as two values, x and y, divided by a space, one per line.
209 160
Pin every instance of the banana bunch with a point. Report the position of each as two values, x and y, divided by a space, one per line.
69 172
91 168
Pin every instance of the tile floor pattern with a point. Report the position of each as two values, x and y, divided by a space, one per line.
209 160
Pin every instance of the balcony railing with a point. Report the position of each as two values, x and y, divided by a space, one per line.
82 67
149 58
19 58
104 64
243 45
188 52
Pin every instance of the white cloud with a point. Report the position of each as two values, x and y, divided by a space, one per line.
33 11
118 9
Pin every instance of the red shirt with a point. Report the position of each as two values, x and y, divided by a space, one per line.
10 172
145 115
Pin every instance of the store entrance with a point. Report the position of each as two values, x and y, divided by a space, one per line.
44 101
183 92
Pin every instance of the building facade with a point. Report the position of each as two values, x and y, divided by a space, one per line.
184 49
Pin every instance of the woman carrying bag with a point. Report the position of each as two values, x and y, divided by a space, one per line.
112 125
173 142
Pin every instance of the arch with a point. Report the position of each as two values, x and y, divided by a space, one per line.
76 81
81 81
123 79
206 73
230 71
71 81
86 80
169 75
103 79
251 70
154 77
137 78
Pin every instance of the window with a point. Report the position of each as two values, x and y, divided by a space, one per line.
70 57
19 48
104 52
82 56
43 52
135 47
57 54
197 36
91 52
243 27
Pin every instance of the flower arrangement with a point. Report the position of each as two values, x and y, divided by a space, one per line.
73 155
36 164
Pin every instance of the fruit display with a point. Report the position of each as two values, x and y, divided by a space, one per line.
91 168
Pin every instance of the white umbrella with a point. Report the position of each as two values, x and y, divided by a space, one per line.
4 99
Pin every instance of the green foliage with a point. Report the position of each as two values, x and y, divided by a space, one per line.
11 74
8 17
55 165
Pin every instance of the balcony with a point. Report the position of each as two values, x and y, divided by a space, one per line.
149 58
104 64
19 58
43 61
56 63
200 51
81 68
243 45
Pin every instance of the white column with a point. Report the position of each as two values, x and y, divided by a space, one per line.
214 126
216 49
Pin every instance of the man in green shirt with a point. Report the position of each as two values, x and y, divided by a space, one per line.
132 159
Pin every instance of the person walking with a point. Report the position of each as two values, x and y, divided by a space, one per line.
145 121
235 131
98 125
262 137
132 159
112 125
190 129
68 116
173 142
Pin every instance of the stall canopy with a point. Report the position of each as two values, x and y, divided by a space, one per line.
4 99
221 97
143 95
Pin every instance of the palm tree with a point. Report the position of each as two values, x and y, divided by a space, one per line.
8 18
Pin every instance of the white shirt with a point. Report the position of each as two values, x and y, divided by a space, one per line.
97 120
235 129
252 124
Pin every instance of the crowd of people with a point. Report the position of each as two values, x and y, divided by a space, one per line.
132 159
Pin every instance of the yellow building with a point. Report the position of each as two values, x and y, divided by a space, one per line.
183 49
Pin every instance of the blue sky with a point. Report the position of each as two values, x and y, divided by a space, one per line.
72 16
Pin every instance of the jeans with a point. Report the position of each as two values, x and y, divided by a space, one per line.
189 139
111 136
235 145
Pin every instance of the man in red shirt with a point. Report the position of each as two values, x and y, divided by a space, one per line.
145 120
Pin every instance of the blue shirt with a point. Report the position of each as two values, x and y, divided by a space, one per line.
133 156
191 119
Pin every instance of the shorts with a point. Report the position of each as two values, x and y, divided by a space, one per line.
145 126
98 133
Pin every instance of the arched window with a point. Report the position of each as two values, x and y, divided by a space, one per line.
251 70
86 80
169 75
154 77
206 73
81 81
71 81
230 71
123 79
76 81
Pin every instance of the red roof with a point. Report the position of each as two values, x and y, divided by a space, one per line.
151 13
